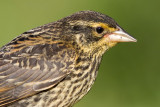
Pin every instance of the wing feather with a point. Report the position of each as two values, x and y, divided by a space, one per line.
28 76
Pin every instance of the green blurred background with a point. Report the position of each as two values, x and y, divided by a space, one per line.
129 75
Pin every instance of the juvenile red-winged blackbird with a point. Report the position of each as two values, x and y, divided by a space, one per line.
56 64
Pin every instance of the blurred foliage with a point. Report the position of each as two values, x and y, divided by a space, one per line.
129 74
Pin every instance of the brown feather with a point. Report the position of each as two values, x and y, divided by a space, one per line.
22 77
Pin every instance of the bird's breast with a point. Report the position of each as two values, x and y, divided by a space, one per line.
79 82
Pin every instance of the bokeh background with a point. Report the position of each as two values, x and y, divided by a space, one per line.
129 75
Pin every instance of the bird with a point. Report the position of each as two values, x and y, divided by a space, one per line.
56 64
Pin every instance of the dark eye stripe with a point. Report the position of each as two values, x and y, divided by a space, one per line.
76 28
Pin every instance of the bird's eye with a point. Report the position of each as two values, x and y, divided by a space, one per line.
99 30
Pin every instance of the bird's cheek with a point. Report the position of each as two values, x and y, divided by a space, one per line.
111 44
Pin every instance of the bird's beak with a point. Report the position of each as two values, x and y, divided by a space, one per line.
120 36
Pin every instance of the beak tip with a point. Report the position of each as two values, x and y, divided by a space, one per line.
120 36
134 40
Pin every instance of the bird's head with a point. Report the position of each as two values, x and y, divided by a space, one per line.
86 31
93 32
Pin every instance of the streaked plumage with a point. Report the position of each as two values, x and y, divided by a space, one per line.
56 64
